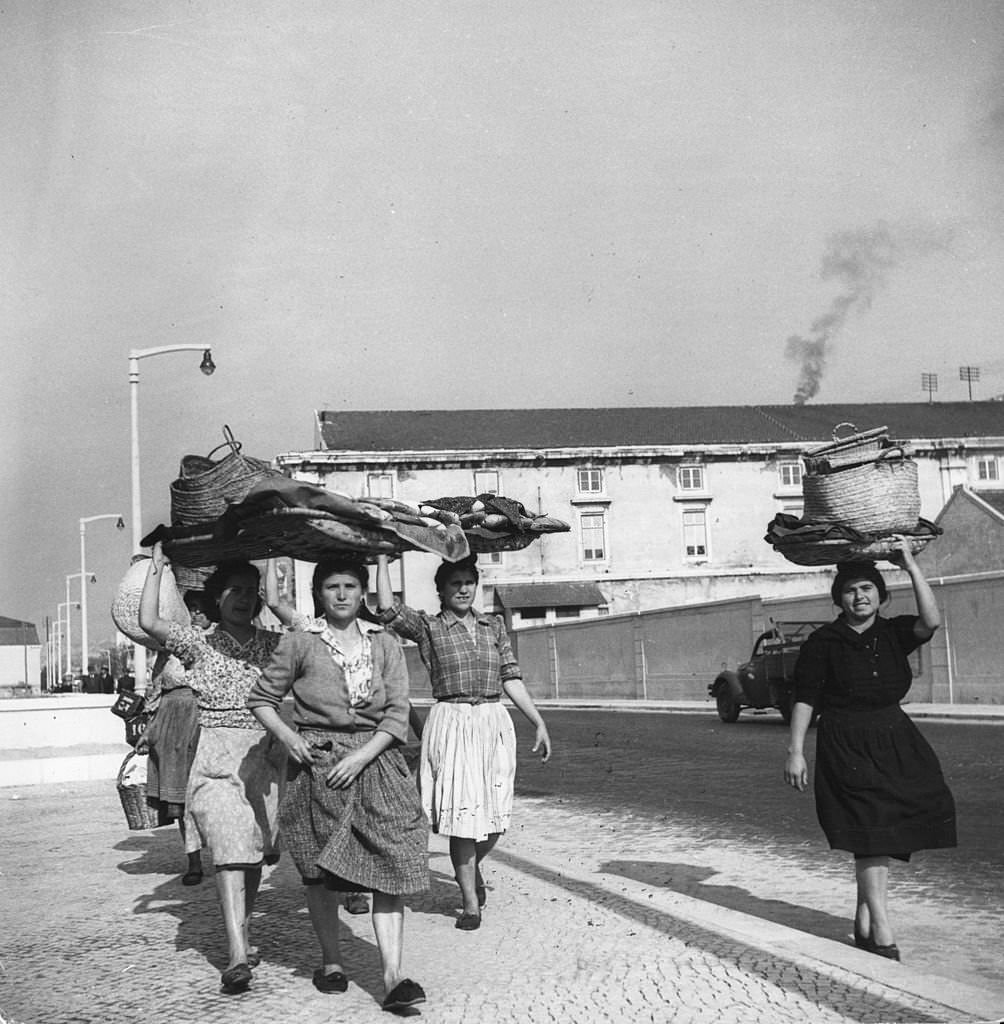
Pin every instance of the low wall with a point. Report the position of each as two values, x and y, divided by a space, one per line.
60 738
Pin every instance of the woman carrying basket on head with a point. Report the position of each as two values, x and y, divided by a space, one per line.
233 791
468 765
351 818
880 793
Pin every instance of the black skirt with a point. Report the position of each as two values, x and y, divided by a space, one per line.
879 786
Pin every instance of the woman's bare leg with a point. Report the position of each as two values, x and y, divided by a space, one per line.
463 854
252 881
322 905
230 885
388 926
872 874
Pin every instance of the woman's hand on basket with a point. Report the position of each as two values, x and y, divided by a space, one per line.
902 554
345 772
796 772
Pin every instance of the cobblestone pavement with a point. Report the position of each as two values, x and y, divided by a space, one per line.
98 928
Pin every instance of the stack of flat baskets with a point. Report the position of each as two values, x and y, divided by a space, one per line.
865 486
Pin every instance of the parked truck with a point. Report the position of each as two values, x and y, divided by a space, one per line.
766 680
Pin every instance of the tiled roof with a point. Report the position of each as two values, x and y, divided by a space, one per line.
480 429
15 633
549 595
995 499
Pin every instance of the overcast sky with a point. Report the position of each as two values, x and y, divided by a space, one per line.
434 205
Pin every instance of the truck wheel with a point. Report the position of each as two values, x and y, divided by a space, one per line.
728 708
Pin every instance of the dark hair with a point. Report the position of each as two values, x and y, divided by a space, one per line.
217 583
447 569
344 565
851 572
198 601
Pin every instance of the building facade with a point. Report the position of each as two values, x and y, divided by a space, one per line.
666 506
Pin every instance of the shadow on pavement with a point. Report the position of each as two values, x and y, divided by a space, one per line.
689 880
787 974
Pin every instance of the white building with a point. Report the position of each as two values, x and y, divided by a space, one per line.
667 506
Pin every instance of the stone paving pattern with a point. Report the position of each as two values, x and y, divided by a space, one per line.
98 928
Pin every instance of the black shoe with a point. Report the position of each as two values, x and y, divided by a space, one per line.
468 922
235 979
333 982
890 952
356 903
861 940
193 877
404 994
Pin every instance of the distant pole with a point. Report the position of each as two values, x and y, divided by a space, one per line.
929 383
969 374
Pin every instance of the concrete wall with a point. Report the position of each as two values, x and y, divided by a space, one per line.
20 666
673 654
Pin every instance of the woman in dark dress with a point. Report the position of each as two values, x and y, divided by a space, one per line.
880 793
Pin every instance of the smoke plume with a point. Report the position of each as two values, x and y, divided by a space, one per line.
859 260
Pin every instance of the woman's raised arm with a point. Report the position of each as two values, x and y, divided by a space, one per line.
149 602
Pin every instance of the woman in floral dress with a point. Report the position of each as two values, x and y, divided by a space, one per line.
234 786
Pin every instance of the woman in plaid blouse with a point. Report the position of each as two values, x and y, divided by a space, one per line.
468 745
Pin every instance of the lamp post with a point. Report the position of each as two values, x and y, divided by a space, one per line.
65 636
79 604
207 366
119 525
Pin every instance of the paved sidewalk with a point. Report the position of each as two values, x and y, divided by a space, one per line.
98 928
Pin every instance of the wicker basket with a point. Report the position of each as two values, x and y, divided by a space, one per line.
139 814
206 486
878 497
125 606
847 451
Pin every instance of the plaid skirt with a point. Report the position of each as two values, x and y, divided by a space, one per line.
370 836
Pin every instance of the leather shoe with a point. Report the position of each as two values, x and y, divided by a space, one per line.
468 922
235 979
890 952
404 994
861 940
333 982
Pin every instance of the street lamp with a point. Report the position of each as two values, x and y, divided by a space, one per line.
80 604
66 636
207 366
119 525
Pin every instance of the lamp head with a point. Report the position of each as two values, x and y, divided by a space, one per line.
207 366
92 578
120 523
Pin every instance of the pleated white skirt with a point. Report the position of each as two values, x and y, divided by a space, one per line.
468 769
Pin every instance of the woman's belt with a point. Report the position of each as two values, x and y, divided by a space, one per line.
463 698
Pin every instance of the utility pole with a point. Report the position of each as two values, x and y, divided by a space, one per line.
969 374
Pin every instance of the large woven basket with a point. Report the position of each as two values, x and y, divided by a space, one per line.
125 606
849 450
139 814
207 485
879 497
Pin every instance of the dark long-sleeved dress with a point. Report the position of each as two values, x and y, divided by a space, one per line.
878 784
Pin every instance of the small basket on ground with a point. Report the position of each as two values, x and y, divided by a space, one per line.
132 792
